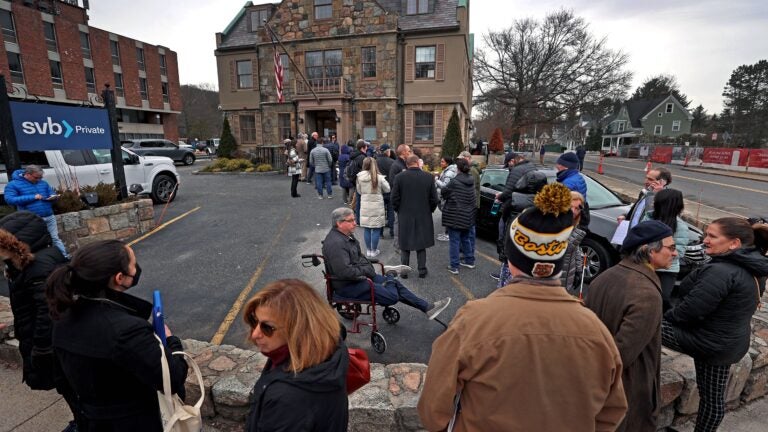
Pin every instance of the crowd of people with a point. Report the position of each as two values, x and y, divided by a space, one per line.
533 355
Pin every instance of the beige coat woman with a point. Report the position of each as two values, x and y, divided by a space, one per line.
372 211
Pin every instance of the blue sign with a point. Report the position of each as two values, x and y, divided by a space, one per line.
56 127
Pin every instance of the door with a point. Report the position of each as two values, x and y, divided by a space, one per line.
72 169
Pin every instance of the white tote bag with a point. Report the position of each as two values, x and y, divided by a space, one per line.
176 416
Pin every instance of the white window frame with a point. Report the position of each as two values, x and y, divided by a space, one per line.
658 129
57 81
670 108
676 126
620 127
244 78
430 71
9 33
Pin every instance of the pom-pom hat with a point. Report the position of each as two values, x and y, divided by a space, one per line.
538 238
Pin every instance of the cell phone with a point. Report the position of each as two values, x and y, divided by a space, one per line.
158 321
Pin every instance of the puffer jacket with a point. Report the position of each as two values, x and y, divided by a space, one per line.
32 324
459 209
20 192
372 211
445 177
573 261
573 180
343 162
712 320
515 174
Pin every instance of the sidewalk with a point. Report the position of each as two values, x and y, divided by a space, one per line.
25 410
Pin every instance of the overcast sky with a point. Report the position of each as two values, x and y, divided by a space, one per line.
699 41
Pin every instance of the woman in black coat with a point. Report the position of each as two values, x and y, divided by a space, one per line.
303 384
107 348
459 213
712 321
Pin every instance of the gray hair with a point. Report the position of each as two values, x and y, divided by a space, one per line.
33 169
642 253
465 155
339 215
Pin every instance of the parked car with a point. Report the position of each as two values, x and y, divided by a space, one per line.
213 143
160 147
605 207
157 175
184 145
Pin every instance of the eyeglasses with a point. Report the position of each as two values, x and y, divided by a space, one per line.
266 328
671 247
348 220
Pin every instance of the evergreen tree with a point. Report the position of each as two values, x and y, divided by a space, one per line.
700 119
452 143
746 104
227 145
496 144
595 139
660 86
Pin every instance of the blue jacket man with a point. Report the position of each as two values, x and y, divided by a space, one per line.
568 173
28 191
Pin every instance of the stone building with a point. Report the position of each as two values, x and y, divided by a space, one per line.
49 52
387 71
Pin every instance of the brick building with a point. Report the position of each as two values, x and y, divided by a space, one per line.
49 52
386 71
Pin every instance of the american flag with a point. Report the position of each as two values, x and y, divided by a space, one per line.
278 76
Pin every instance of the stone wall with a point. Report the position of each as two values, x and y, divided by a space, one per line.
119 221
388 402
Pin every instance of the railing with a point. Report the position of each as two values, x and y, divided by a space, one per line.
272 155
335 85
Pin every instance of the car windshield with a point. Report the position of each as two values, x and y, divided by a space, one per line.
494 179
598 196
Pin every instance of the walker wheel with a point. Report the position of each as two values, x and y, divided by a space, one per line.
391 315
378 342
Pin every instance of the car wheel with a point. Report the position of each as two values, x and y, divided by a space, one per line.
598 258
163 189
188 159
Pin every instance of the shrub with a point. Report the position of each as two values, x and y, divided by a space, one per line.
452 143
107 193
227 145
496 144
229 165
264 168
69 201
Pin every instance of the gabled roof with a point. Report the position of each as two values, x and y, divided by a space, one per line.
444 15
637 109
237 33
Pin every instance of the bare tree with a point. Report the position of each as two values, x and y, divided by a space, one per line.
200 117
542 71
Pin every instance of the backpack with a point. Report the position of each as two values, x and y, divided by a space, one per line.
349 172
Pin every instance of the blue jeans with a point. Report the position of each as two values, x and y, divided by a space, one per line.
388 291
371 236
323 179
459 244
53 230
310 173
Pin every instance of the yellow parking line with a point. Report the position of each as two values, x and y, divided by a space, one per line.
158 228
464 290
234 312
488 257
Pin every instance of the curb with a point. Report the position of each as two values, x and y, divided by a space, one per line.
237 173
724 173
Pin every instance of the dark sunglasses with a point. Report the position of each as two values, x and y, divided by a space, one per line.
267 329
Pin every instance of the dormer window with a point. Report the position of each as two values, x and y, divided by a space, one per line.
620 127
670 108
416 7
258 18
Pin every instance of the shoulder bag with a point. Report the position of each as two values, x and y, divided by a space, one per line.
359 372
175 415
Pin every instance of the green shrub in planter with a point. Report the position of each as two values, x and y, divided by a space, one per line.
69 201
107 193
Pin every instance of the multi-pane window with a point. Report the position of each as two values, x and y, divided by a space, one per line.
143 88
323 64
7 25
57 79
425 62
90 80
115 48
163 66
676 126
368 55
244 74
657 130
423 125
119 84
258 18
323 9
164 89
417 7
50 36
85 45
140 58
284 125
247 128
670 107
14 65
369 125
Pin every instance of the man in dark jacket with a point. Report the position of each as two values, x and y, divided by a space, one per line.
398 166
356 160
414 198
311 143
351 270
384 162
581 153
627 299
333 147
655 180
459 213
25 246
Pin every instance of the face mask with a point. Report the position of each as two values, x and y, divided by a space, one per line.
135 277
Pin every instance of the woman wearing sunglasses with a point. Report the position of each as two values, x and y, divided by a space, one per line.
303 384
105 343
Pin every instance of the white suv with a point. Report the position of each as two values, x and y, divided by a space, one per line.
71 168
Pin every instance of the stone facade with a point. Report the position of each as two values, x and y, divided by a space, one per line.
119 221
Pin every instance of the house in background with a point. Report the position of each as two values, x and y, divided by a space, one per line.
387 71
646 120
49 52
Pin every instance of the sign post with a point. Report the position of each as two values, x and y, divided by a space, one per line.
117 151
7 137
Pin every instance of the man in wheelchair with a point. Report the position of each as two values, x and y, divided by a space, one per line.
350 270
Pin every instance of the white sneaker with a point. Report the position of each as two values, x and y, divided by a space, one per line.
367 253
443 237
375 253
438 307
399 269
467 265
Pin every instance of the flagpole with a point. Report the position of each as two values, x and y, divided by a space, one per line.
274 38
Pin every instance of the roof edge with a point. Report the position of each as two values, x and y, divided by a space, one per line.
237 17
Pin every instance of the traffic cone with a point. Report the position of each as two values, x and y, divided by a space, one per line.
685 162
648 166
600 165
